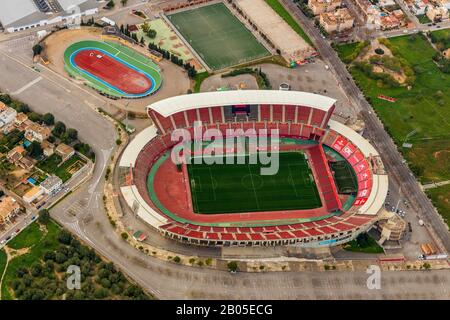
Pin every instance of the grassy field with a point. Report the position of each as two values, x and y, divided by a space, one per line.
235 187
47 242
423 19
363 243
218 36
441 38
51 166
423 111
283 13
345 177
39 271
441 200
2 261
26 239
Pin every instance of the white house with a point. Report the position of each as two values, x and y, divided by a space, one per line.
418 7
7 115
51 185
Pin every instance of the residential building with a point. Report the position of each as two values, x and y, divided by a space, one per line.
7 115
20 118
51 185
15 154
437 14
442 3
18 15
389 22
32 194
391 227
47 148
64 151
9 207
8 128
321 6
419 6
26 163
337 21
386 3
37 132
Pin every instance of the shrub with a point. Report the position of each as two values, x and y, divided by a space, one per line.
232 266
379 51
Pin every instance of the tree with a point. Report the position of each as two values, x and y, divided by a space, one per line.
232 266
72 133
37 49
34 149
48 119
35 117
142 41
44 216
65 237
124 2
59 129
145 27
110 4
151 33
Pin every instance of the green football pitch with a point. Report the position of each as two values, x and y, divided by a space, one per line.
218 36
345 177
231 188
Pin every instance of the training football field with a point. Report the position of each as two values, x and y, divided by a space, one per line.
219 38
231 188
345 177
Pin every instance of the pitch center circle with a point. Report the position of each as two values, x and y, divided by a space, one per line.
252 181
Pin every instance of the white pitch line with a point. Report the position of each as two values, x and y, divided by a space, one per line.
28 85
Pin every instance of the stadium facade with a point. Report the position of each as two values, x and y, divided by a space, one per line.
303 121
18 15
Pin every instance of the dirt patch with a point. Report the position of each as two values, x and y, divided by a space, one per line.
240 82
19 173
12 253
370 51
400 77
437 154
57 43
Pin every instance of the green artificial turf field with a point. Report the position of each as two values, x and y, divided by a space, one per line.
345 177
218 36
231 188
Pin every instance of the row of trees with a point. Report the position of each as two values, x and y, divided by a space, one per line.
174 59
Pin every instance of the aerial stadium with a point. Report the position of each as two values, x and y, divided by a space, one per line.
329 187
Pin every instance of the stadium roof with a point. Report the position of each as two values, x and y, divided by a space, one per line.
18 13
176 104
15 10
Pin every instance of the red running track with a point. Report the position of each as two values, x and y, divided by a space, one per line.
112 71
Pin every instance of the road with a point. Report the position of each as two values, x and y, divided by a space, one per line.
376 134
